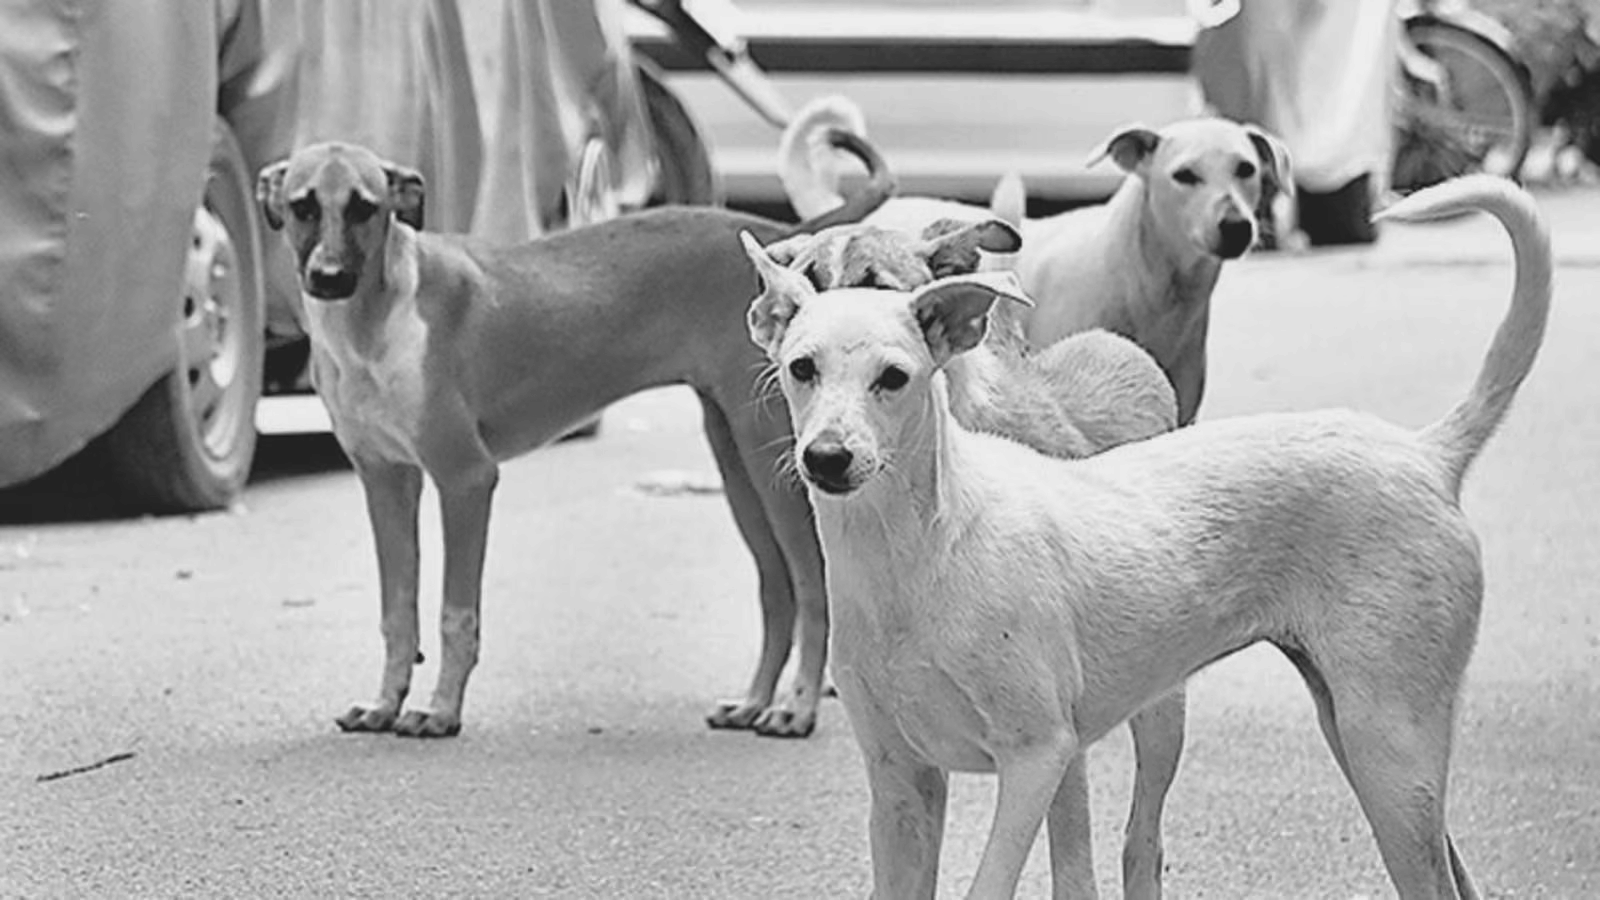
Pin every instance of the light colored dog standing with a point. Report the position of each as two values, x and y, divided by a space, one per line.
997 610
440 356
1142 265
1086 393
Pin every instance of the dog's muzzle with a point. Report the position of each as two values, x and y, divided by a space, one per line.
1234 237
337 284
827 465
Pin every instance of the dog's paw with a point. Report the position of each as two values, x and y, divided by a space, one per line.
734 715
367 718
781 722
425 724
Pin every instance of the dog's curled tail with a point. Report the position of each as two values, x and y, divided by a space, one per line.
880 185
807 165
1462 433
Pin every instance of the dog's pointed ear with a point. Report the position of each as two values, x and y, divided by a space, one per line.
950 247
406 194
269 192
783 290
1129 147
954 312
1276 166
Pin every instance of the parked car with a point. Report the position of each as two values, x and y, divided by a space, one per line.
130 279
955 93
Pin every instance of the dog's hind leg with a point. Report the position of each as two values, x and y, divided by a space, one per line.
776 587
1071 837
760 428
1393 748
392 491
1157 745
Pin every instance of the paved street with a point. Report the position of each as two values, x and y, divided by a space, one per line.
217 649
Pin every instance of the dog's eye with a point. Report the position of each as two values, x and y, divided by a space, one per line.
359 209
306 208
803 369
1186 176
1246 169
893 378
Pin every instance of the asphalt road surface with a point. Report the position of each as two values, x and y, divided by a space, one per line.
207 657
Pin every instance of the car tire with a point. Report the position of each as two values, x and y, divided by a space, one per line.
188 443
684 172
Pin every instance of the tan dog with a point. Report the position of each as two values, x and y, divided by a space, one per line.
998 610
441 356
1083 394
1142 265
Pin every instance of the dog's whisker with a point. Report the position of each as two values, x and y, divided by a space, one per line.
785 440
786 474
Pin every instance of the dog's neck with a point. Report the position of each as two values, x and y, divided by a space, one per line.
1187 275
1167 308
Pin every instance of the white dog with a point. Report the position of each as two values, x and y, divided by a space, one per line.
1142 265
1082 395
999 610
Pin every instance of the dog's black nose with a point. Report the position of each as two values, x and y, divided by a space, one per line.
330 284
828 465
1235 237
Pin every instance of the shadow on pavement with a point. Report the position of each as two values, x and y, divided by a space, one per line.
79 491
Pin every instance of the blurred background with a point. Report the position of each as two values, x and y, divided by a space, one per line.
148 350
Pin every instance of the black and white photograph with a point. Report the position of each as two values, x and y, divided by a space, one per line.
906 449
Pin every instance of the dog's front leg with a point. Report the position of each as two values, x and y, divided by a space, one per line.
906 827
464 504
1071 840
391 490
1029 779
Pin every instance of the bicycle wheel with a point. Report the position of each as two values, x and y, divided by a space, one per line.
1476 116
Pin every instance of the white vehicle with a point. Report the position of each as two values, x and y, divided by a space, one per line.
955 93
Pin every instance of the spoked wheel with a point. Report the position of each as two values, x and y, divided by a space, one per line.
1464 107
188 443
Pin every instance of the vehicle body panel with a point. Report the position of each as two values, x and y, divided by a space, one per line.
955 95
106 113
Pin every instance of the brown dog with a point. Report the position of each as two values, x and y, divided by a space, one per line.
438 355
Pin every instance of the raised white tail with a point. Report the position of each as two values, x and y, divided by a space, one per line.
807 164
1462 433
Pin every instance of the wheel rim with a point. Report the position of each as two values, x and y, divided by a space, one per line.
211 341
1475 103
